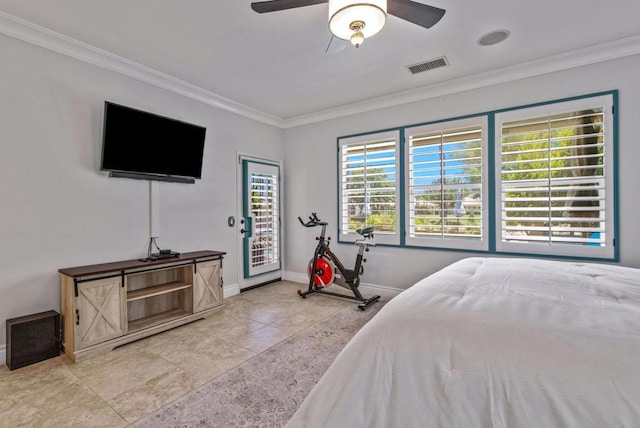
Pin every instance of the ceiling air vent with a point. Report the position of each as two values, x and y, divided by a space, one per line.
428 65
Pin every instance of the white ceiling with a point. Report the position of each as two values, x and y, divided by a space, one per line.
275 64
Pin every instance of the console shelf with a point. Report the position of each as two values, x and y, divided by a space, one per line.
110 304
156 290
155 319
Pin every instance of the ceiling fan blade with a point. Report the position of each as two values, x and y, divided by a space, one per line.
276 5
421 14
335 45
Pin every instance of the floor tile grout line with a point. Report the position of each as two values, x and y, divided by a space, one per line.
96 393
247 360
289 322
250 375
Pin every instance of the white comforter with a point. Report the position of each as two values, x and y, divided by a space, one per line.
493 343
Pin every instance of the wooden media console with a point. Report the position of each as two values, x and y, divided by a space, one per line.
107 305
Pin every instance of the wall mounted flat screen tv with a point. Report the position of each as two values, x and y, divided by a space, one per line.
137 144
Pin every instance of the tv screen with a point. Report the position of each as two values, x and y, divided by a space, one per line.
149 146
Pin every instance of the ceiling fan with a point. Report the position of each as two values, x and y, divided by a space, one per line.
356 20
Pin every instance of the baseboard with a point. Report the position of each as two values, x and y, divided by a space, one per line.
381 290
365 287
301 278
227 291
230 290
233 289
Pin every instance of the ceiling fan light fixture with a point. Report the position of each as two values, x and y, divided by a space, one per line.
344 15
357 37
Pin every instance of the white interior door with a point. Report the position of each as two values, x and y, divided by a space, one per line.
261 241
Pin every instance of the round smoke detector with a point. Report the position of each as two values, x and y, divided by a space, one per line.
494 37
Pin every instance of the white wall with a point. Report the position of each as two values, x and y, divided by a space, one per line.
312 178
58 210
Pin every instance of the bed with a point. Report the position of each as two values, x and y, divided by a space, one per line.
492 342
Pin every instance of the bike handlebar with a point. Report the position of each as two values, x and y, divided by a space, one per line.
367 232
313 221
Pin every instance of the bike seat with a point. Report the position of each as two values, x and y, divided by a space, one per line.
367 232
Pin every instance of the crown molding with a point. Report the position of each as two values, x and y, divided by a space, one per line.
580 57
29 32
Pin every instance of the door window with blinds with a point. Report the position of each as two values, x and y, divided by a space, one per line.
445 189
554 179
261 216
369 186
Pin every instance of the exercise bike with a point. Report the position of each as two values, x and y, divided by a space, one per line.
325 268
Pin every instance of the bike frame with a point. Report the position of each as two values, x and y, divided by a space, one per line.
351 278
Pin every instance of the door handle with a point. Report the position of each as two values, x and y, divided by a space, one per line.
248 232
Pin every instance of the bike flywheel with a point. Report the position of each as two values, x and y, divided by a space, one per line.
324 274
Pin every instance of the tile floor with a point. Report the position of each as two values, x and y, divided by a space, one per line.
119 387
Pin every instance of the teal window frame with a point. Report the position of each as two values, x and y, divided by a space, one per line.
446 167
493 183
357 156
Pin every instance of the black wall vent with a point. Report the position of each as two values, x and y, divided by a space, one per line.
428 65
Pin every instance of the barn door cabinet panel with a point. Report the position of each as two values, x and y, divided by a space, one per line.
108 305
207 285
99 313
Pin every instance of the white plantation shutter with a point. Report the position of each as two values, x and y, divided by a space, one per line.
265 247
554 169
445 190
544 186
369 186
